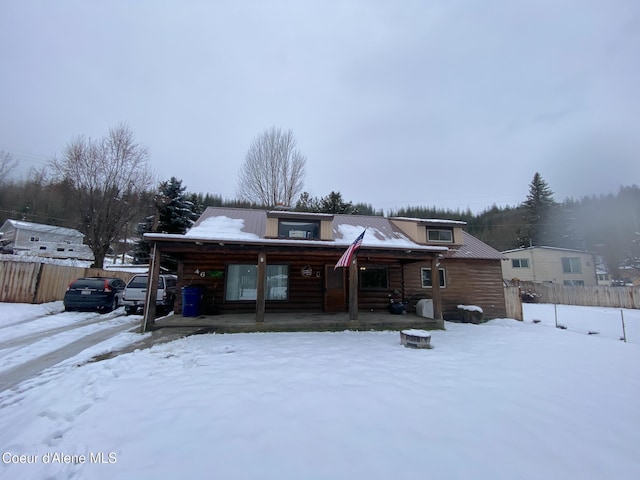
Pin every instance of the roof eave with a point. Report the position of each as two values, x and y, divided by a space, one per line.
166 237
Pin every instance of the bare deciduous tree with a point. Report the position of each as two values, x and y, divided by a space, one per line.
7 163
108 177
273 171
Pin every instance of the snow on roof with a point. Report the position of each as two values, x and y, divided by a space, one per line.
431 220
375 236
221 228
248 226
522 249
39 227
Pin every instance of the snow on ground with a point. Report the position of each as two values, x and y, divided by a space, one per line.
605 322
501 400
31 331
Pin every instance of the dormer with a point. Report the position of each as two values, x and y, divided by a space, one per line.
299 225
431 231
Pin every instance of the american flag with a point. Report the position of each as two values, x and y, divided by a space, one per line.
345 259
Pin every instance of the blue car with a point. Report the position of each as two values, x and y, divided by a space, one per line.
94 293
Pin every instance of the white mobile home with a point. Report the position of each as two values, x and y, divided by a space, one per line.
550 265
44 240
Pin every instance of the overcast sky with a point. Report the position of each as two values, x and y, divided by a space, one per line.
447 103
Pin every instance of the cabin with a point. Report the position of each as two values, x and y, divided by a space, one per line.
544 264
43 240
257 261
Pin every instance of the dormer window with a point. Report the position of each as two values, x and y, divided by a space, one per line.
300 229
440 235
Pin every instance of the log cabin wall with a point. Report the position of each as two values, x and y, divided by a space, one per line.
468 282
306 282
305 292
376 299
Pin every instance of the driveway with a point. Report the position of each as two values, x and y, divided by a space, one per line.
28 347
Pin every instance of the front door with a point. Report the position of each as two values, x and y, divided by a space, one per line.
334 289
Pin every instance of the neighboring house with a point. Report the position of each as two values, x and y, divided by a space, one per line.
44 240
229 250
604 279
550 264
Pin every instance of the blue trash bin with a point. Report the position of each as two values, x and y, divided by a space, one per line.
191 297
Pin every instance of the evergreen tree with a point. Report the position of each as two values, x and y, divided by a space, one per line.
333 203
176 213
307 203
142 250
538 209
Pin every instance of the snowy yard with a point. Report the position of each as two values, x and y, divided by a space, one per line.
502 400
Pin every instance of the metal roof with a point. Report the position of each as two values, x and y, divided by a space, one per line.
42 228
381 233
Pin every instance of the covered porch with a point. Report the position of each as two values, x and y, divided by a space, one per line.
316 297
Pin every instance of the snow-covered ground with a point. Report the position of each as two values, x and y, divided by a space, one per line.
502 400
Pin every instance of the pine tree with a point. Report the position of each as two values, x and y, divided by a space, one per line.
142 250
538 209
176 213
333 203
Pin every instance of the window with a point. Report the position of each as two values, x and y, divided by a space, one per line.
34 239
520 263
374 277
578 283
306 229
242 282
571 265
439 235
426 278
277 282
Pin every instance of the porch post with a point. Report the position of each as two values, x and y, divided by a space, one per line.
353 289
435 291
261 285
152 289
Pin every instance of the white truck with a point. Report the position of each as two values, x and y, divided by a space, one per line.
136 291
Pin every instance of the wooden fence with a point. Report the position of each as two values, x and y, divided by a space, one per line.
617 297
513 303
33 282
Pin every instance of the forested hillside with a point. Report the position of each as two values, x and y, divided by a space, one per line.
607 225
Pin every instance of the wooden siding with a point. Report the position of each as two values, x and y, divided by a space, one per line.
272 228
326 230
468 282
376 299
476 282
411 229
305 292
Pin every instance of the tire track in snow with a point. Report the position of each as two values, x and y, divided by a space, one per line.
34 337
25 371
